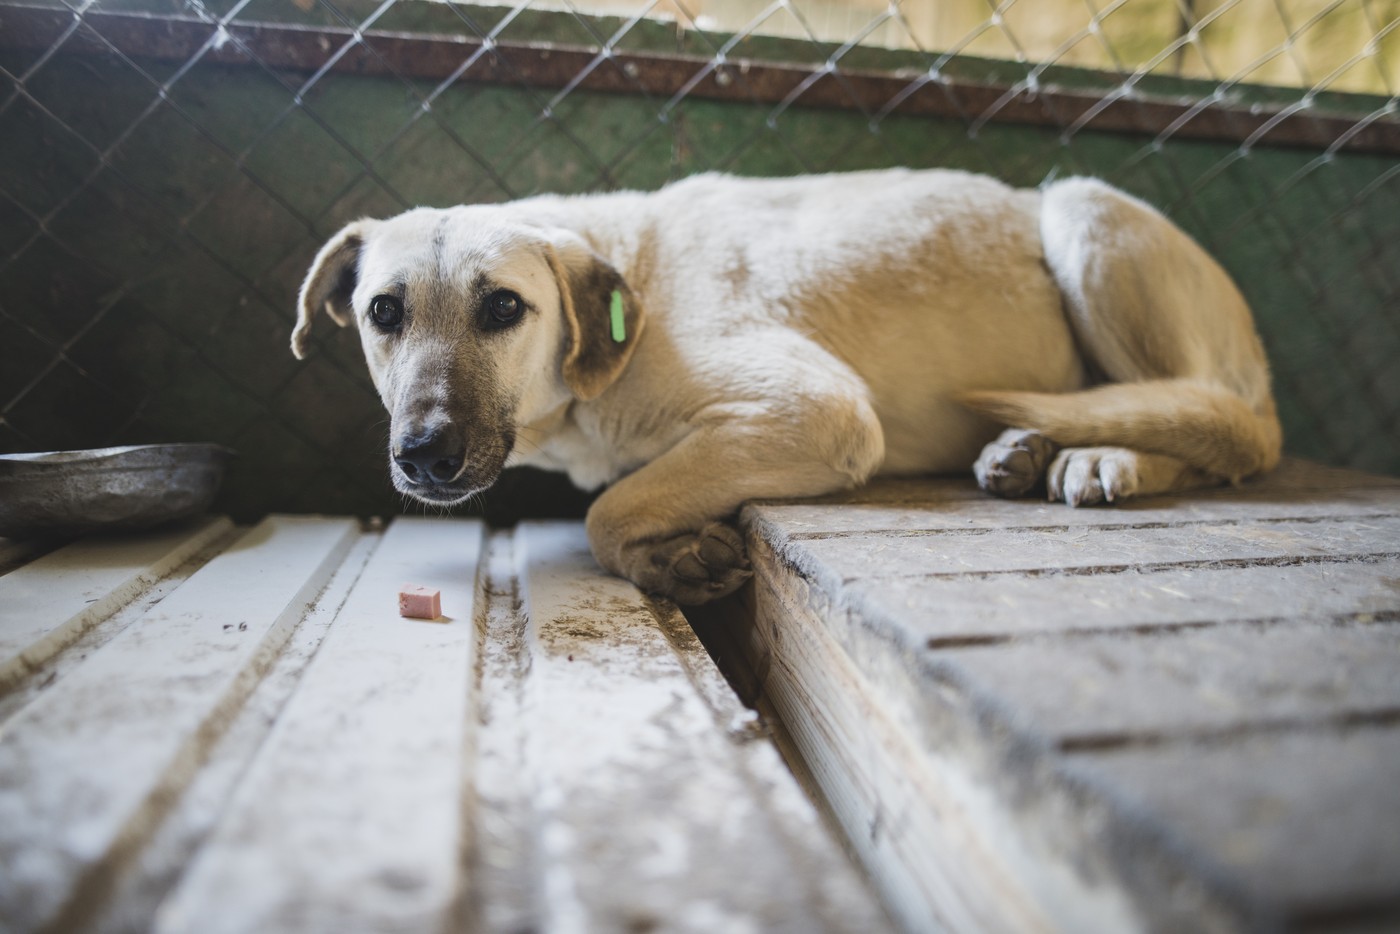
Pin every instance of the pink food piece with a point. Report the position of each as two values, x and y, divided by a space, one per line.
419 602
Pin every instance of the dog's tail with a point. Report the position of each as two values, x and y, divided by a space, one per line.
1208 427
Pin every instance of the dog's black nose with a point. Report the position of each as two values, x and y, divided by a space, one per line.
431 458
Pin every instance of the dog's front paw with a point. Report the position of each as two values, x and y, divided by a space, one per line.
1013 464
697 567
1089 476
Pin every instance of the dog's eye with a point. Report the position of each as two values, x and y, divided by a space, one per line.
504 307
386 311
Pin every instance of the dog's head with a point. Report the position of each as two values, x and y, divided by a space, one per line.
474 325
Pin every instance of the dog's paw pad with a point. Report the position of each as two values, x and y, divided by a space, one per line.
701 567
1090 476
1014 463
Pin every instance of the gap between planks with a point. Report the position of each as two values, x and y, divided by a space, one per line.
1355 618
1329 723
1149 567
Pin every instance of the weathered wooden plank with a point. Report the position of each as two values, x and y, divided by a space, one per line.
944 611
946 852
842 898
359 787
1086 549
630 778
1298 489
87 767
1015 656
1305 820
146 878
48 603
936 514
1292 477
1106 688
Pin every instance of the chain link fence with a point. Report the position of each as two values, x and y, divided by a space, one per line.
168 169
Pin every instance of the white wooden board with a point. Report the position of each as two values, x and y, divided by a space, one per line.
239 750
47 604
352 816
630 777
83 769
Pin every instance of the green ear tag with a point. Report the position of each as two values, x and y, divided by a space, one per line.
619 324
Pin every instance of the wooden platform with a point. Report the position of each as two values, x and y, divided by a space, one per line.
215 729
1181 714
1178 714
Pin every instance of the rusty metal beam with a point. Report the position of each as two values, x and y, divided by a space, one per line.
435 57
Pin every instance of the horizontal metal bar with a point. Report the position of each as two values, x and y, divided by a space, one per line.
434 57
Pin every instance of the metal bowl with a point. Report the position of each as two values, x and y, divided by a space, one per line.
64 493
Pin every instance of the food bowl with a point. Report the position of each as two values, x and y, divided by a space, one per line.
65 493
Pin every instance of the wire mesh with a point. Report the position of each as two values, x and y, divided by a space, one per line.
168 169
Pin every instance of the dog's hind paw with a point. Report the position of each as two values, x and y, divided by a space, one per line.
1014 463
1089 476
696 568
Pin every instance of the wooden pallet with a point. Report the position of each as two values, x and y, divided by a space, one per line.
1181 713
214 729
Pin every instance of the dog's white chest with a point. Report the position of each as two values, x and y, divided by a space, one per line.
589 462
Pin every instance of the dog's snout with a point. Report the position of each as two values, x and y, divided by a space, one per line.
431 458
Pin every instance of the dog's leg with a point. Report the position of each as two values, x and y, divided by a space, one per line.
1089 476
1188 383
667 526
1015 463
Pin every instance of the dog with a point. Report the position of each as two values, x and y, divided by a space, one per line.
726 339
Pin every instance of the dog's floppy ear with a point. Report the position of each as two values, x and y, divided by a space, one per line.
329 283
602 317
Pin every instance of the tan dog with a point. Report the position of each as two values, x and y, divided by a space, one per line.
725 339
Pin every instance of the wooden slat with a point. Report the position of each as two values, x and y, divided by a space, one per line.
351 818
873 556
1121 687
48 603
931 494
935 514
944 851
647 817
842 899
994 828
1307 820
147 877
1297 489
949 611
193 771
1135 687
87 767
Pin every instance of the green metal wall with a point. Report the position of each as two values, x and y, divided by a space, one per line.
150 263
